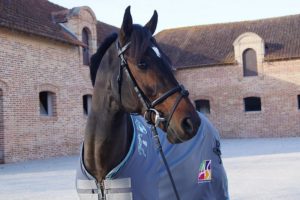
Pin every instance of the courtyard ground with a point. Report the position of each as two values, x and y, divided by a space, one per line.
257 169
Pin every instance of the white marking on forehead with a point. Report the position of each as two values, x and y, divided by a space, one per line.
155 49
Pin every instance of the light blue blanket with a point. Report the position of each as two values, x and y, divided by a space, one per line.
196 167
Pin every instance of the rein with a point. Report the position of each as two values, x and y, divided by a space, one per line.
150 106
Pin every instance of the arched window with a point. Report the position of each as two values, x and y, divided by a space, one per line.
47 103
252 104
85 50
87 103
249 63
203 106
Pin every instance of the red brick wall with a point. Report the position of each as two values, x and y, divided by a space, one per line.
29 65
225 87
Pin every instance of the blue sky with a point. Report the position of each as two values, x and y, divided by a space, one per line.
175 13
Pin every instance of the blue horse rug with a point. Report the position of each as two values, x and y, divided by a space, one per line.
196 166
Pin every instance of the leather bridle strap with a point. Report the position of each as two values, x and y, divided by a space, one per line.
159 147
183 93
122 65
166 95
150 106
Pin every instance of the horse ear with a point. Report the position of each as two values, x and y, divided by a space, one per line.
151 25
126 27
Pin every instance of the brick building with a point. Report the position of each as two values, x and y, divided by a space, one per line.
45 89
245 76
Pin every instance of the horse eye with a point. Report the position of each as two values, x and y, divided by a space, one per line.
142 65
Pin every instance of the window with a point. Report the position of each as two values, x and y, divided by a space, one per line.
202 105
252 104
87 103
47 103
85 50
299 101
249 63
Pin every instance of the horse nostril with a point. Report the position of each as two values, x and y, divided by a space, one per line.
187 126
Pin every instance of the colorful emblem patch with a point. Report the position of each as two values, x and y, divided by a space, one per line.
204 171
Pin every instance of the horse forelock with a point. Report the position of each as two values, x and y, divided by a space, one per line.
140 40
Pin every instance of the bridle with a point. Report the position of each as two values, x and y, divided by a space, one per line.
147 103
150 106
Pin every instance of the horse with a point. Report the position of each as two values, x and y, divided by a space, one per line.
134 90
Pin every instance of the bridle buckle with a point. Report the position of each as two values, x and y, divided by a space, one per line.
157 118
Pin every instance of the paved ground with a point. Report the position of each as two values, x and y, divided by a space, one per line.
258 169
263 169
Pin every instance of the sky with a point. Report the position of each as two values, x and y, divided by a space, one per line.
180 13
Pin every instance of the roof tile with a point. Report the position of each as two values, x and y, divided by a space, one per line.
41 17
104 30
213 44
33 16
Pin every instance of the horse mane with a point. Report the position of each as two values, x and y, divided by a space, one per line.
97 57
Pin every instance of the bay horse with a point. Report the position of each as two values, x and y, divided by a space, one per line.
119 160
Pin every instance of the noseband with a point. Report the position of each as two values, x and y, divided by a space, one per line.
149 106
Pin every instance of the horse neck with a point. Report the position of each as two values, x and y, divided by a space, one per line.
108 131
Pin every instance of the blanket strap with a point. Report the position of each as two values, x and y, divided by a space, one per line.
117 189
108 189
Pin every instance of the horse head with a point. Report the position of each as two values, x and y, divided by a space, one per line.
150 87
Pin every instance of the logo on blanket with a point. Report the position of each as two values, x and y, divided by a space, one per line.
142 142
204 171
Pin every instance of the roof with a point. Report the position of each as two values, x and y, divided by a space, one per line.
104 30
43 18
212 45
34 16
